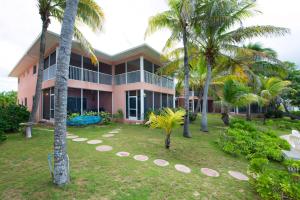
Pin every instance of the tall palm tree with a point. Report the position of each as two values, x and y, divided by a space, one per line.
177 20
89 13
61 161
214 33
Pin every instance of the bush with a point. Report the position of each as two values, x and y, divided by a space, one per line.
284 124
242 138
11 116
274 114
119 114
73 115
292 165
297 113
258 165
2 136
106 117
192 116
277 184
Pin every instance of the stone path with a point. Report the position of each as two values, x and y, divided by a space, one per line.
104 148
159 162
141 157
210 172
182 168
238 175
79 139
94 141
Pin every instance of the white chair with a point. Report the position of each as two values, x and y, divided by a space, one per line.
295 142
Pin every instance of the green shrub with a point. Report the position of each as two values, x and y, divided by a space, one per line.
90 113
119 114
73 115
106 117
277 184
2 136
284 124
192 116
11 116
242 138
297 113
274 114
292 165
258 165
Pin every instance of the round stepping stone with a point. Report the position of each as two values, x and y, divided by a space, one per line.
210 172
141 157
79 139
103 148
94 141
108 135
123 154
161 163
238 175
113 132
72 136
182 168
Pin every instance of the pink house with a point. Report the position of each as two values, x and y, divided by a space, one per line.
126 81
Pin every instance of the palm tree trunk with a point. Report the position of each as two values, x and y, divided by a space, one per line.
186 132
38 87
248 113
204 126
225 116
168 141
61 162
197 109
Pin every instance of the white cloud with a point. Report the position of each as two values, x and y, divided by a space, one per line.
126 21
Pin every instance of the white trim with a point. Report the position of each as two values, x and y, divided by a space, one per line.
81 68
153 100
98 101
125 73
142 111
142 69
81 101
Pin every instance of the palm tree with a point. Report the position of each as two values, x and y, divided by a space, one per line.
236 93
271 90
214 34
61 161
177 20
89 13
167 120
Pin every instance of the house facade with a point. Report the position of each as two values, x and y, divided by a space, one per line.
127 81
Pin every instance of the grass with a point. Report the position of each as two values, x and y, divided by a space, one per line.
24 170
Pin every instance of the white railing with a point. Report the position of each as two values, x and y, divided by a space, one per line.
49 73
133 77
105 78
120 79
75 73
90 76
158 80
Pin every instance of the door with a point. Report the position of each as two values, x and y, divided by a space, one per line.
132 107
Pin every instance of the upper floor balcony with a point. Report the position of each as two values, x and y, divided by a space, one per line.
134 71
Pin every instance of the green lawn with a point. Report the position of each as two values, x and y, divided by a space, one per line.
24 170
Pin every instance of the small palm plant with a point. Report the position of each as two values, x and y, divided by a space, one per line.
167 120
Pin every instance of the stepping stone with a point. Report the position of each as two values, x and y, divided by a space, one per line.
113 132
141 157
72 136
108 135
161 163
79 139
103 148
210 172
238 175
94 141
182 168
123 154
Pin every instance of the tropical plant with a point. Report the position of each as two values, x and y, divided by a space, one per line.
177 20
215 35
61 161
236 94
89 13
8 98
167 120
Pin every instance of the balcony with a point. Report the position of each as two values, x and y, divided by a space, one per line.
158 80
77 73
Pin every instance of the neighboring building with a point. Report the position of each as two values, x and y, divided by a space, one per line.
193 100
126 81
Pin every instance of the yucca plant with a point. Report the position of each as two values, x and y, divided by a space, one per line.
167 120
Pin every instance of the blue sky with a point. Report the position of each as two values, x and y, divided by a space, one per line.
126 21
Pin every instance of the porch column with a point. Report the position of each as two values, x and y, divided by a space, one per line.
174 101
98 101
193 105
82 68
81 101
98 75
160 100
142 68
126 72
142 104
237 110
152 100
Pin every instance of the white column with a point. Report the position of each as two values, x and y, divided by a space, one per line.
152 100
142 69
126 72
142 104
160 100
81 101
237 110
98 101
82 68
98 75
174 101
168 101
193 105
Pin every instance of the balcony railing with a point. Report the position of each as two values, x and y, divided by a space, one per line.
76 73
132 77
158 80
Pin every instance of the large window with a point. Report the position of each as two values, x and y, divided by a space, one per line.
157 100
120 69
105 68
74 104
148 66
75 60
133 65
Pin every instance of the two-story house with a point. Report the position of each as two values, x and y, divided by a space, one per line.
126 81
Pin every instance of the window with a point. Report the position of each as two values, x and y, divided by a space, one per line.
46 63
133 65
52 58
34 69
120 69
25 101
75 60
148 66
105 68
